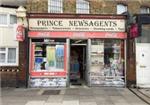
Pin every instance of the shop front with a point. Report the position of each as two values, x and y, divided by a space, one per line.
76 49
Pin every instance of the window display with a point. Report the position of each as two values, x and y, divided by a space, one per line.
49 57
107 66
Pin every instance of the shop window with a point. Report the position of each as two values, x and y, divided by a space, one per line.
107 62
55 6
47 63
121 8
7 19
8 56
145 10
82 6
49 57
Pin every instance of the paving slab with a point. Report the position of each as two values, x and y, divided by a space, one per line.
52 103
35 103
75 102
86 98
88 103
73 91
70 97
55 98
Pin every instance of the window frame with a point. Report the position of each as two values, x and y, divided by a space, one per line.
6 57
8 20
56 5
122 5
145 8
79 9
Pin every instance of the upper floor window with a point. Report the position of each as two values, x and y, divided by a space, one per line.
55 6
82 6
3 19
145 10
13 19
121 8
7 19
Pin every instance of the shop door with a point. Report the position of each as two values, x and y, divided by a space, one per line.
143 65
77 64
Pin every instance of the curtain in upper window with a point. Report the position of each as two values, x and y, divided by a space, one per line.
121 8
13 19
144 10
3 19
55 6
82 7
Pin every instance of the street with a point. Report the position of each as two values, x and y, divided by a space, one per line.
70 96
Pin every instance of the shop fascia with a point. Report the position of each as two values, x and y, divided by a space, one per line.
77 24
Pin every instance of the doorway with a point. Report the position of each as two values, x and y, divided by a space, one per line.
78 62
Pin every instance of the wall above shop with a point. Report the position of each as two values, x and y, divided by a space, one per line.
12 2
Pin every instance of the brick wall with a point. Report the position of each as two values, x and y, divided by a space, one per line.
69 6
37 6
8 76
96 6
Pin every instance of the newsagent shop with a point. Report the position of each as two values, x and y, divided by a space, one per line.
69 49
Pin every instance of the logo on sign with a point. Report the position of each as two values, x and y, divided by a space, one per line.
19 31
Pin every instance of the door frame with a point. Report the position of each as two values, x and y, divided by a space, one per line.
69 44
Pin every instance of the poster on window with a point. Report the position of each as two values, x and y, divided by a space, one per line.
48 60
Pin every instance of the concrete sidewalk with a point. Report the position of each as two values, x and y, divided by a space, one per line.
70 96
142 93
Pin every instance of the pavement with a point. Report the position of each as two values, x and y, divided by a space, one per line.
70 96
142 93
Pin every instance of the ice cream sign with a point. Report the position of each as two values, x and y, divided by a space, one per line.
97 25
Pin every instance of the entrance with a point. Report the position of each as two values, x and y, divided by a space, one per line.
78 62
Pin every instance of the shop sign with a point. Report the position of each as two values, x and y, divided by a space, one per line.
134 31
92 25
78 35
19 32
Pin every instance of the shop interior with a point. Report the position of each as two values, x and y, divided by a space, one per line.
77 62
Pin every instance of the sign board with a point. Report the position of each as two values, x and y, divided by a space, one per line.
90 25
77 35
19 32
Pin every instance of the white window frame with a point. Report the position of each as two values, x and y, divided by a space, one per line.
6 57
145 10
8 20
79 10
121 7
56 5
